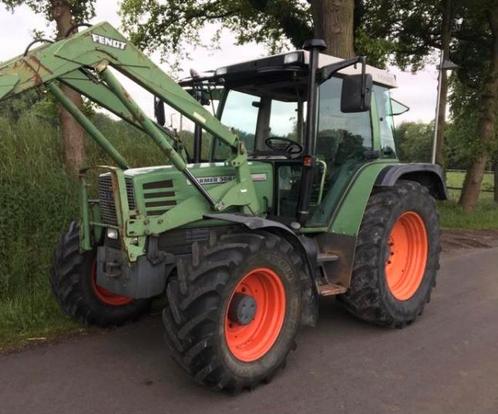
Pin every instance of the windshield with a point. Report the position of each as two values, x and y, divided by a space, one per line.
241 115
255 119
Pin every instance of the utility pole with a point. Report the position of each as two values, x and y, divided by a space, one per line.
444 65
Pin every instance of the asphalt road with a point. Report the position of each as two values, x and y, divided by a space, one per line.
447 362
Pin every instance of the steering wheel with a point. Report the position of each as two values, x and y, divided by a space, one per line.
285 145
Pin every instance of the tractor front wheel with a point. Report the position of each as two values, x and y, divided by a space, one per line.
397 256
74 284
234 309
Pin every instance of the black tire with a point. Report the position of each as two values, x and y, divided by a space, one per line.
369 297
198 298
71 282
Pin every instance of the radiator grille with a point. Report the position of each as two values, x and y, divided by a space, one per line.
159 197
106 198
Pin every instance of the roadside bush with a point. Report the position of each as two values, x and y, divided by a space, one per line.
38 200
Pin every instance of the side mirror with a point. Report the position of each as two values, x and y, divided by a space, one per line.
159 111
356 93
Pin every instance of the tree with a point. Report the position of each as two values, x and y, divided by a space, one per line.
414 141
334 22
483 55
65 14
171 26
413 29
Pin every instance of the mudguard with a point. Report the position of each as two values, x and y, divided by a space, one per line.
429 175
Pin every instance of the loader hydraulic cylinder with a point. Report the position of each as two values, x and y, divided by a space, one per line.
143 119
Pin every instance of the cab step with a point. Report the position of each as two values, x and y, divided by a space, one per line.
331 289
324 258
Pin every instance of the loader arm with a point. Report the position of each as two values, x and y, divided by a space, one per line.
83 62
96 48
84 83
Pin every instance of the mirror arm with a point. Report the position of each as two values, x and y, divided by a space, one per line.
328 71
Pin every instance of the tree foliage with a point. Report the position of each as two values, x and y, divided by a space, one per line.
414 141
82 10
171 26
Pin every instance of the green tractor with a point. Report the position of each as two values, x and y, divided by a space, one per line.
289 191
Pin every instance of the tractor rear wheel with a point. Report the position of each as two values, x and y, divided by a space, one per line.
397 256
74 284
234 309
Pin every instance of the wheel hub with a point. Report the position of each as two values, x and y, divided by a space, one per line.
255 314
242 309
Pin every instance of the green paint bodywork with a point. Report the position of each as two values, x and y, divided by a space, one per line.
188 207
349 214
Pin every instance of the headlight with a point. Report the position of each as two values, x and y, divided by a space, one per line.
112 234
291 58
221 71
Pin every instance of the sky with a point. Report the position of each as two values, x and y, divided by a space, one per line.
418 91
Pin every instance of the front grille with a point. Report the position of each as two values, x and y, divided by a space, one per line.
106 198
159 197
130 193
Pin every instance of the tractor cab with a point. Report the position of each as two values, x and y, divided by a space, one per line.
265 103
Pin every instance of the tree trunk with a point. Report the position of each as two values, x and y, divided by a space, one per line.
73 136
445 50
487 120
334 21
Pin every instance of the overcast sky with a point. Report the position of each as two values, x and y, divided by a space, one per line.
417 91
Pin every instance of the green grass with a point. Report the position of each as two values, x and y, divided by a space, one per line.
484 217
34 317
455 179
38 200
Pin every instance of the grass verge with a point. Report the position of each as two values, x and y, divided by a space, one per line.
485 216
37 202
29 319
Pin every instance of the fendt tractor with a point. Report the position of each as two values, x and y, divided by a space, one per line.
289 190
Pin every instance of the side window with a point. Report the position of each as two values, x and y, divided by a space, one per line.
386 122
241 114
341 136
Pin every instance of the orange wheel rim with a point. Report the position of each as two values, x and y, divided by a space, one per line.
104 295
252 340
408 250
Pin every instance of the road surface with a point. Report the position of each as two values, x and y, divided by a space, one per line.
447 362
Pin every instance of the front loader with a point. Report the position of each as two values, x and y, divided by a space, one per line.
289 191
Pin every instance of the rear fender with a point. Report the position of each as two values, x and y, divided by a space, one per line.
429 175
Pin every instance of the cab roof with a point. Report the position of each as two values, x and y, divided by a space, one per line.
299 59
